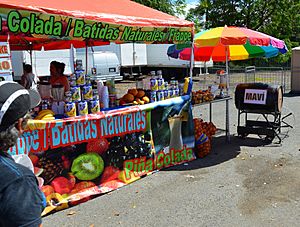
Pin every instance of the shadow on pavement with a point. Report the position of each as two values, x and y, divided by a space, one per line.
291 94
222 151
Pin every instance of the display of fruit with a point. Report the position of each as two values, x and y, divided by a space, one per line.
72 179
201 96
128 98
207 128
133 91
134 96
110 173
34 159
56 200
127 147
83 185
62 185
87 166
146 99
35 124
66 162
45 115
204 149
52 167
47 190
99 146
37 171
203 136
140 94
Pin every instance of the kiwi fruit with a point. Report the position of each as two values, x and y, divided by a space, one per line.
87 166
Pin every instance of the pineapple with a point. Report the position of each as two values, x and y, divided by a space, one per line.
51 168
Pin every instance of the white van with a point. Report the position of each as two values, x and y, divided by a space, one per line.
102 65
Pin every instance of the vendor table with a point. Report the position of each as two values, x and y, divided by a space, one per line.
210 103
80 157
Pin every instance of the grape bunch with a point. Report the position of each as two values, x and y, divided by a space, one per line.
128 147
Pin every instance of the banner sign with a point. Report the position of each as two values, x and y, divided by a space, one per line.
91 156
40 25
255 96
43 135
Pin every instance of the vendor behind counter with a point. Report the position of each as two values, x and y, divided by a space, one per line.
57 76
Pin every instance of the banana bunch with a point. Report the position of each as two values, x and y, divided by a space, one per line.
45 115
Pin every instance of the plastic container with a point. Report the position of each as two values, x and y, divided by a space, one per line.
104 97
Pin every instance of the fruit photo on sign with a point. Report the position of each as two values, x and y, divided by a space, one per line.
99 146
87 166
127 147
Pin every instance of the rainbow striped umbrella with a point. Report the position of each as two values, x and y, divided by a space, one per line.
229 44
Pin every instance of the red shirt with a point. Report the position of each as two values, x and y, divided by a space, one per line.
60 80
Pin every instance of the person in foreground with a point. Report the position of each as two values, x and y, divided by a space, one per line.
21 201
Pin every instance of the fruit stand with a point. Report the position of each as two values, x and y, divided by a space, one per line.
80 157
93 152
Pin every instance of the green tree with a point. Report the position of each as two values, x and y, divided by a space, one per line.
172 7
278 18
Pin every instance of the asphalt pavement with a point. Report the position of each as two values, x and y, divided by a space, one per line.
241 183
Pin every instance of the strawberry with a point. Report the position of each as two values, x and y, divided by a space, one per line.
61 185
110 173
98 146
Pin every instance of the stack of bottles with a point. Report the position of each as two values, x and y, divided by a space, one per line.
81 99
161 90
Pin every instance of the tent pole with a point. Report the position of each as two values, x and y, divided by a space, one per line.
86 57
72 58
30 53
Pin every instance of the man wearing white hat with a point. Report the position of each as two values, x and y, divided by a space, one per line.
21 201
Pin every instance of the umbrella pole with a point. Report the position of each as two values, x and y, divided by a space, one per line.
227 71
192 60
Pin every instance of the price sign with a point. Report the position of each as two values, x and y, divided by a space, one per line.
5 65
4 49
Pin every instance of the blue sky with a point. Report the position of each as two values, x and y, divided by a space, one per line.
190 4
191 1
